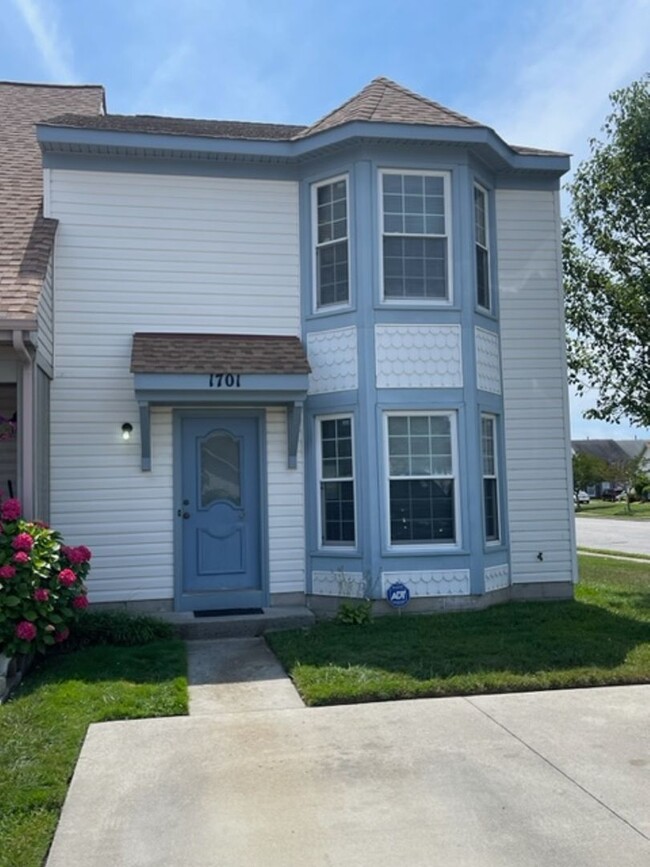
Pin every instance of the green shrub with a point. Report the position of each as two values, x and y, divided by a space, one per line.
357 613
42 589
117 628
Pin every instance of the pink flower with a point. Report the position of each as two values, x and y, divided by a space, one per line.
62 635
10 510
84 553
80 602
41 594
23 542
67 577
26 631
7 571
76 556
21 557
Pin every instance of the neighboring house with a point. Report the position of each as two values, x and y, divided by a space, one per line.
26 315
298 362
615 453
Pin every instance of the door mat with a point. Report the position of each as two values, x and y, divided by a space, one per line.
228 612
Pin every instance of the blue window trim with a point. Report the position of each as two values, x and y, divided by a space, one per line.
320 547
388 547
343 307
416 303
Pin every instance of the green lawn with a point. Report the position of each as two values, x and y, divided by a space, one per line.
603 637
603 509
43 726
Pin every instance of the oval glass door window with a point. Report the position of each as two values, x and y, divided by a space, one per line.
220 470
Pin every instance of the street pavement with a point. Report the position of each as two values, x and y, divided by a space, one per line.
550 778
615 535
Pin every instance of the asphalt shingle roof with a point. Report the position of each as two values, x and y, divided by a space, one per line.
381 101
385 101
217 353
26 237
145 123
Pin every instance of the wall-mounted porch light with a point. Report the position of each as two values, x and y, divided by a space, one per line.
127 430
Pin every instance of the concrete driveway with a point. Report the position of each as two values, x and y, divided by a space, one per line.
555 778
616 535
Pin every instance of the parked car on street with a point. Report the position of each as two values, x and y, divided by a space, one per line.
582 497
613 495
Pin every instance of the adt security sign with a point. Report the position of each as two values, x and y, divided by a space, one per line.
398 595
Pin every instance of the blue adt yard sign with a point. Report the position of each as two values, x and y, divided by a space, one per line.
398 595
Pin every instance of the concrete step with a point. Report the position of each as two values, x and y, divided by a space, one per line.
192 628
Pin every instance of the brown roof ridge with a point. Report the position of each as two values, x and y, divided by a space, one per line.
426 101
347 102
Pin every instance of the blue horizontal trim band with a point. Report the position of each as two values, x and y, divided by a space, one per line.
492 147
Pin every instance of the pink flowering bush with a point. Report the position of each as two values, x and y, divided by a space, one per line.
42 589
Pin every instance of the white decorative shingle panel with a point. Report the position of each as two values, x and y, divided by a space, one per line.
448 582
333 359
497 577
338 583
488 367
418 356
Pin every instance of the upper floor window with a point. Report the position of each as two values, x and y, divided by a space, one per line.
331 233
482 241
416 242
422 478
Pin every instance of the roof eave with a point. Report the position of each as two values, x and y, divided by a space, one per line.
497 152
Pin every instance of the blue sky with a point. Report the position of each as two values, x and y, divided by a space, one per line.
538 71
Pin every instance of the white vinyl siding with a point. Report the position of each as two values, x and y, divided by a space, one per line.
538 465
159 253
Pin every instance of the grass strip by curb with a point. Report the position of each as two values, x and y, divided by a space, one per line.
607 552
43 725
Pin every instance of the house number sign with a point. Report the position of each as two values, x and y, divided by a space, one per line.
225 380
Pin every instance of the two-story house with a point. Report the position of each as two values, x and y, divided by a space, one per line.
292 363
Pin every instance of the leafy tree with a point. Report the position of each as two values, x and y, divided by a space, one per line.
587 470
625 472
606 247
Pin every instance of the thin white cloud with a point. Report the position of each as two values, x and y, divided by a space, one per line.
164 78
54 51
562 78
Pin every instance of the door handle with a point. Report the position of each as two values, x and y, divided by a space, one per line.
186 515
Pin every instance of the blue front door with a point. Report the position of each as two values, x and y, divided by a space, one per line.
220 513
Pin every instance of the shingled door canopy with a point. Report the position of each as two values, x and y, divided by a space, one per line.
219 370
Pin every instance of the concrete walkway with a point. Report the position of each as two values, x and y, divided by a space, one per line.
235 675
551 778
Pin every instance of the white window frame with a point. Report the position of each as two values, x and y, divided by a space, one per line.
417 302
416 547
329 308
334 546
486 199
489 416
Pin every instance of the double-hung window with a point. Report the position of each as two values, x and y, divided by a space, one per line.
490 478
482 240
422 478
415 243
336 470
331 249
